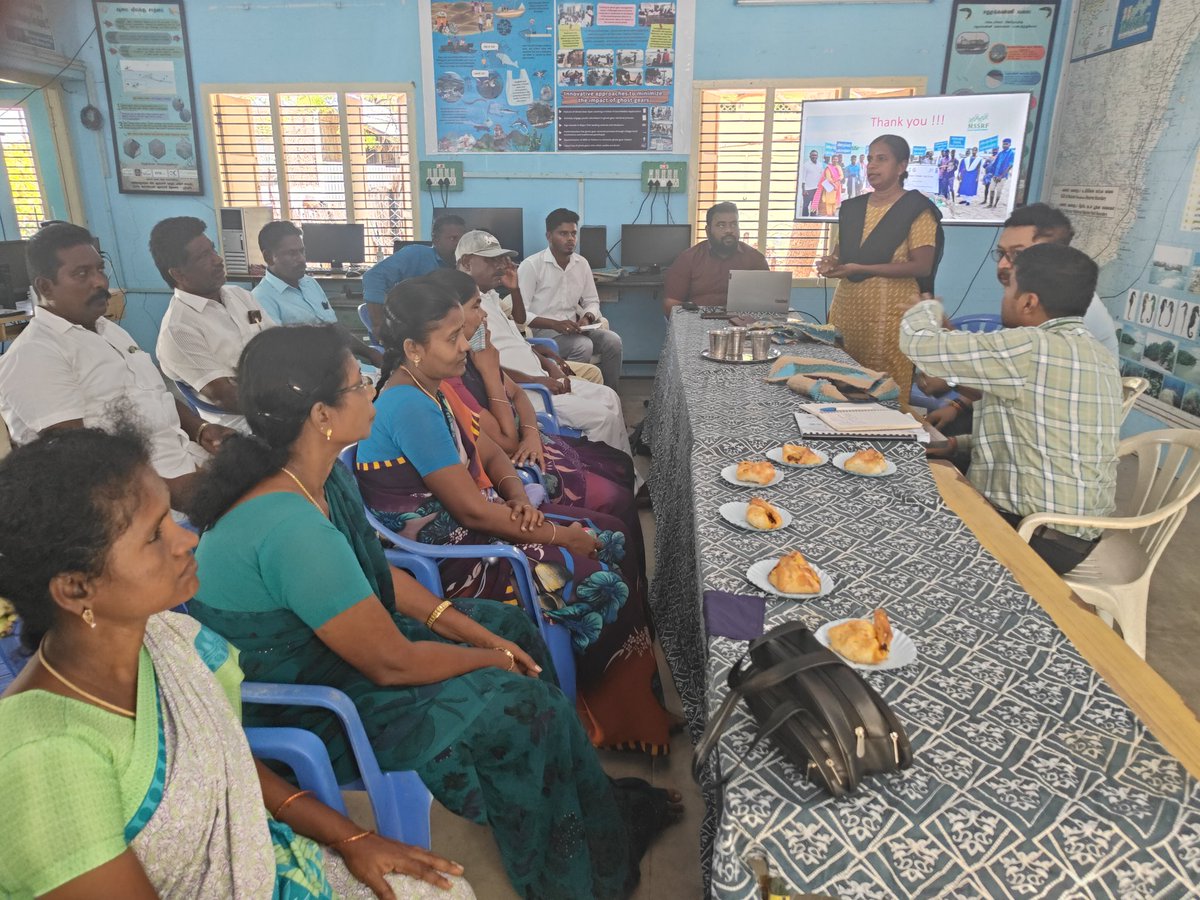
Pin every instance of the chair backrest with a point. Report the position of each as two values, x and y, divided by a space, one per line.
193 399
1168 475
364 316
1131 389
980 322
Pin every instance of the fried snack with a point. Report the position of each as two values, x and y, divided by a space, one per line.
762 515
761 472
799 455
793 575
866 462
863 641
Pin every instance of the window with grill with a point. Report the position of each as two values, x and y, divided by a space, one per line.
748 153
24 182
319 156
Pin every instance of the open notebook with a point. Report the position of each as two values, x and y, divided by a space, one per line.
867 421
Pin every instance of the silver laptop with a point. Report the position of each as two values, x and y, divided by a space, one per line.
753 290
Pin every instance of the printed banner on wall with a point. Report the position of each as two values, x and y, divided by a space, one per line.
1113 25
553 76
997 48
148 79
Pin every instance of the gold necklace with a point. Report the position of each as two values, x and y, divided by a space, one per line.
421 388
300 484
111 707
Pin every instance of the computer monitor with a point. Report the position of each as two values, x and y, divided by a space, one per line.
333 243
653 246
505 223
593 245
14 276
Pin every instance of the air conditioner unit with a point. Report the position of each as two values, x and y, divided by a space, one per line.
240 226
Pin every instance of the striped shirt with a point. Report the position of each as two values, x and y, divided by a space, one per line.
1046 431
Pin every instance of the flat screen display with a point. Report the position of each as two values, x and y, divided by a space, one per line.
965 152
653 246
505 223
593 245
333 243
14 276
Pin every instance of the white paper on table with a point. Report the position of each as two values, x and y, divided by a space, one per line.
811 426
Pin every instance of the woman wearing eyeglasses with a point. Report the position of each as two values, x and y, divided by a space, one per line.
888 249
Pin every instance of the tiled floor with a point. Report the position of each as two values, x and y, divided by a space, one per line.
672 867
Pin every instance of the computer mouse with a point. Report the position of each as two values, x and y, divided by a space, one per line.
690 306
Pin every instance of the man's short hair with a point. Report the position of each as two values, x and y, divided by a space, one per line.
41 252
560 216
1047 222
169 240
441 223
273 233
1063 278
723 207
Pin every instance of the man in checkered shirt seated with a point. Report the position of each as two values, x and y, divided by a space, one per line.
1045 433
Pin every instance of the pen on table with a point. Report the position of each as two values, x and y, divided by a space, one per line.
827 409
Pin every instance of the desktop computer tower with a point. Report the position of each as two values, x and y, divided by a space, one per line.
240 226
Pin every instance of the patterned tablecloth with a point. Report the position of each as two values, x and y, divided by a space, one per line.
1032 778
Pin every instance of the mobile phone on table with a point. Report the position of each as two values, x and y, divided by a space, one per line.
714 315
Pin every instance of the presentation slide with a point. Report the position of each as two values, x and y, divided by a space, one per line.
966 152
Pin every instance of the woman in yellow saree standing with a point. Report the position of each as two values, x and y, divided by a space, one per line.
889 244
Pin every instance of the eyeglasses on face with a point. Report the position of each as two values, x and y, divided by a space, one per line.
1000 253
364 382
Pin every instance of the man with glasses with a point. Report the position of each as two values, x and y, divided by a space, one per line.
1037 223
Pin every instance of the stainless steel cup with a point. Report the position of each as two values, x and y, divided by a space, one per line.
737 343
718 343
760 344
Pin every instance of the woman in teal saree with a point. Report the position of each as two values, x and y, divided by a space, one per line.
127 773
464 693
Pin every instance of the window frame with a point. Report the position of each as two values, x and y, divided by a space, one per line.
44 211
406 89
844 86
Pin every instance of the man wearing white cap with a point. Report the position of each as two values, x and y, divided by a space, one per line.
592 408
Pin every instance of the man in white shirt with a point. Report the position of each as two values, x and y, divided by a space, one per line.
561 300
73 368
207 322
810 179
592 408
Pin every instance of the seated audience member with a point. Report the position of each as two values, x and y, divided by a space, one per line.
207 322
592 408
127 773
73 368
412 261
288 295
1037 223
576 472
293 576
1046 430
437 482
701 273
560 297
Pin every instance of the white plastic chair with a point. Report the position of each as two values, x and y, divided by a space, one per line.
1115 578
1131 389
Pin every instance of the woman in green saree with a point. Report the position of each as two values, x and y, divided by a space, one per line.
292 575
126 770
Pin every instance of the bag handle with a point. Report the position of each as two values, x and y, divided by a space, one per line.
756 682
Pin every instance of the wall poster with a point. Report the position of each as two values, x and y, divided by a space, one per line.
555 76
1003 48
148 79
1106 25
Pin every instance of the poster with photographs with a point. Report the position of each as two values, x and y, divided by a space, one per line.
1159 333
554 76
148 79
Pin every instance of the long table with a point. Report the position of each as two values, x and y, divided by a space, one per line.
1049 759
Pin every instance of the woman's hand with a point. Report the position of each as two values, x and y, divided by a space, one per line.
527 515
826 264
530 451
373 857
487 360
522 662
578 541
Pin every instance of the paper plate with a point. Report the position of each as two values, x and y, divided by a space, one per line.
734 512
776 456
729 473
904 651
840 462
757 574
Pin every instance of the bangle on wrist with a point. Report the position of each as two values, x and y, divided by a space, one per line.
284 805
553 531
350 840
436 614
512 660
498 399
534 427
200 431
504 479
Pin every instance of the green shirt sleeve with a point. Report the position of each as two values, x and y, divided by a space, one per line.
65 794
308 566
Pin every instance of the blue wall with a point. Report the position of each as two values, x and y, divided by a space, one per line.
378 41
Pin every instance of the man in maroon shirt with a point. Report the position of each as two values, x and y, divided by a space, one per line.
701 273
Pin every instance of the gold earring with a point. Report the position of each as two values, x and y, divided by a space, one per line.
329 434
88 616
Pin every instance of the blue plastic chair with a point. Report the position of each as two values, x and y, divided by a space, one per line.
399 800
979 323
555 636
364 316
12 661
193 399
548 418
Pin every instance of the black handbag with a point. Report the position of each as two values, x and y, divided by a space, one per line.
820 713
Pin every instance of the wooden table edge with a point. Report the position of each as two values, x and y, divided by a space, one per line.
1154 701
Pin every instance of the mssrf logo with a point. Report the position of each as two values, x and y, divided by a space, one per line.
978 122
